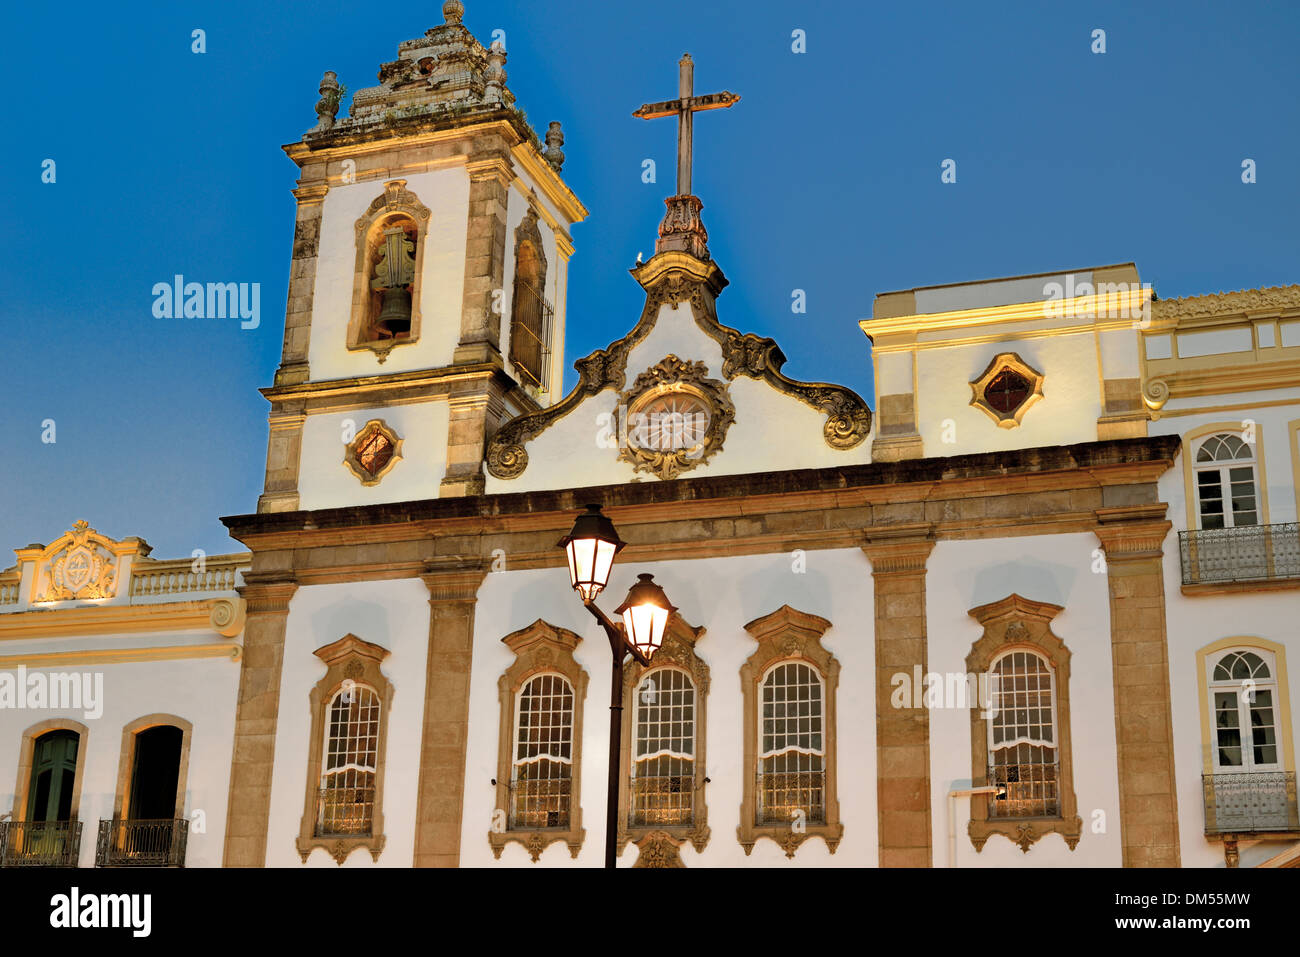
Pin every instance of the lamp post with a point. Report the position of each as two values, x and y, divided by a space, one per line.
590 548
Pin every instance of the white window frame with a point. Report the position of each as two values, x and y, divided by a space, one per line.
516 762
1054 745
763 755
1244 726
1223 467
636 759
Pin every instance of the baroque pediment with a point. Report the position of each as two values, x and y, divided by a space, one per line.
81 565
673 279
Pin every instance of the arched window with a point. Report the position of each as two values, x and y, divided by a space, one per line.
351 758
1226 489
542 777
1243 707
530 313
1024 757
663 759
54 773
792 746
44 830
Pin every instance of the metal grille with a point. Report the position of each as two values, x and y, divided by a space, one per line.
541 791
1023 758
792 764
1250 801
662 787
530 335
39 843
142 843
1242 554
346 801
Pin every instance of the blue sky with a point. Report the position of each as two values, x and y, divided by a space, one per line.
825 177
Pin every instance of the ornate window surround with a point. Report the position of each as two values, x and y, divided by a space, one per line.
528 232
788 634
396 203
1016 622
353 463
350 659
27 755
539 648
1001 361
677 653
126 762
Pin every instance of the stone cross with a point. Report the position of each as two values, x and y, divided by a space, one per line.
684 108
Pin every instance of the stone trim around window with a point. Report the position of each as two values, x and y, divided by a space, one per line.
126 762
788 634
539 649
676 652
350 659
1000 362
27 754
397 203
1016 622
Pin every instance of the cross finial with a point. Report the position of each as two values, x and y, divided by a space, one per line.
683 208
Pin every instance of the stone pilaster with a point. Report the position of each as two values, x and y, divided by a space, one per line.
490 175
283 458
452 597
1133 537
302 279
257 710
898 557
471 418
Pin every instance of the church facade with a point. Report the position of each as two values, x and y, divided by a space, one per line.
1031 606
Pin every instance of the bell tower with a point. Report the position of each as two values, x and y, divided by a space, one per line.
427 289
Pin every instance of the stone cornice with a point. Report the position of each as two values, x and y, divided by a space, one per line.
212 614
453 580
268 593
1236 305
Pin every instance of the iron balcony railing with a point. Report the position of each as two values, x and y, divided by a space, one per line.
663 800
145 843
1250 801
1250 553
40 843
344 811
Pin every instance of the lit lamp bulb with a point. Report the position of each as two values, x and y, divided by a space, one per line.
591 548
645 615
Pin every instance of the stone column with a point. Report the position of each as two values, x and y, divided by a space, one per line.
898 557
490 175
256 714
302 277
472 417
1132 537
440 801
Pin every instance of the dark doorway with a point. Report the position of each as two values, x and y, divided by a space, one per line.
155 773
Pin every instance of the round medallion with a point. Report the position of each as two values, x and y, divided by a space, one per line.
676 421
77 569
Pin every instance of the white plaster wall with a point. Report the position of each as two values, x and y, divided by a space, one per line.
202 691
1053 568
395 615
446 193
325 482
722 594
1067 413
772 431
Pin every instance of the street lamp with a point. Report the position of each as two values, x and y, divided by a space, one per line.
591 547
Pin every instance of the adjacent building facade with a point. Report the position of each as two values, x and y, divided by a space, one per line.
1032 606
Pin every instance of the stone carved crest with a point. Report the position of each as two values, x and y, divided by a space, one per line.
673 418
81 565
658 849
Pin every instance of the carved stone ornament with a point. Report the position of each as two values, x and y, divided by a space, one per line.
673 419
1271 299
683 279
659 849
368 462
80 565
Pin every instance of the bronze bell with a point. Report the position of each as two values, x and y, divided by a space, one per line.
395 313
